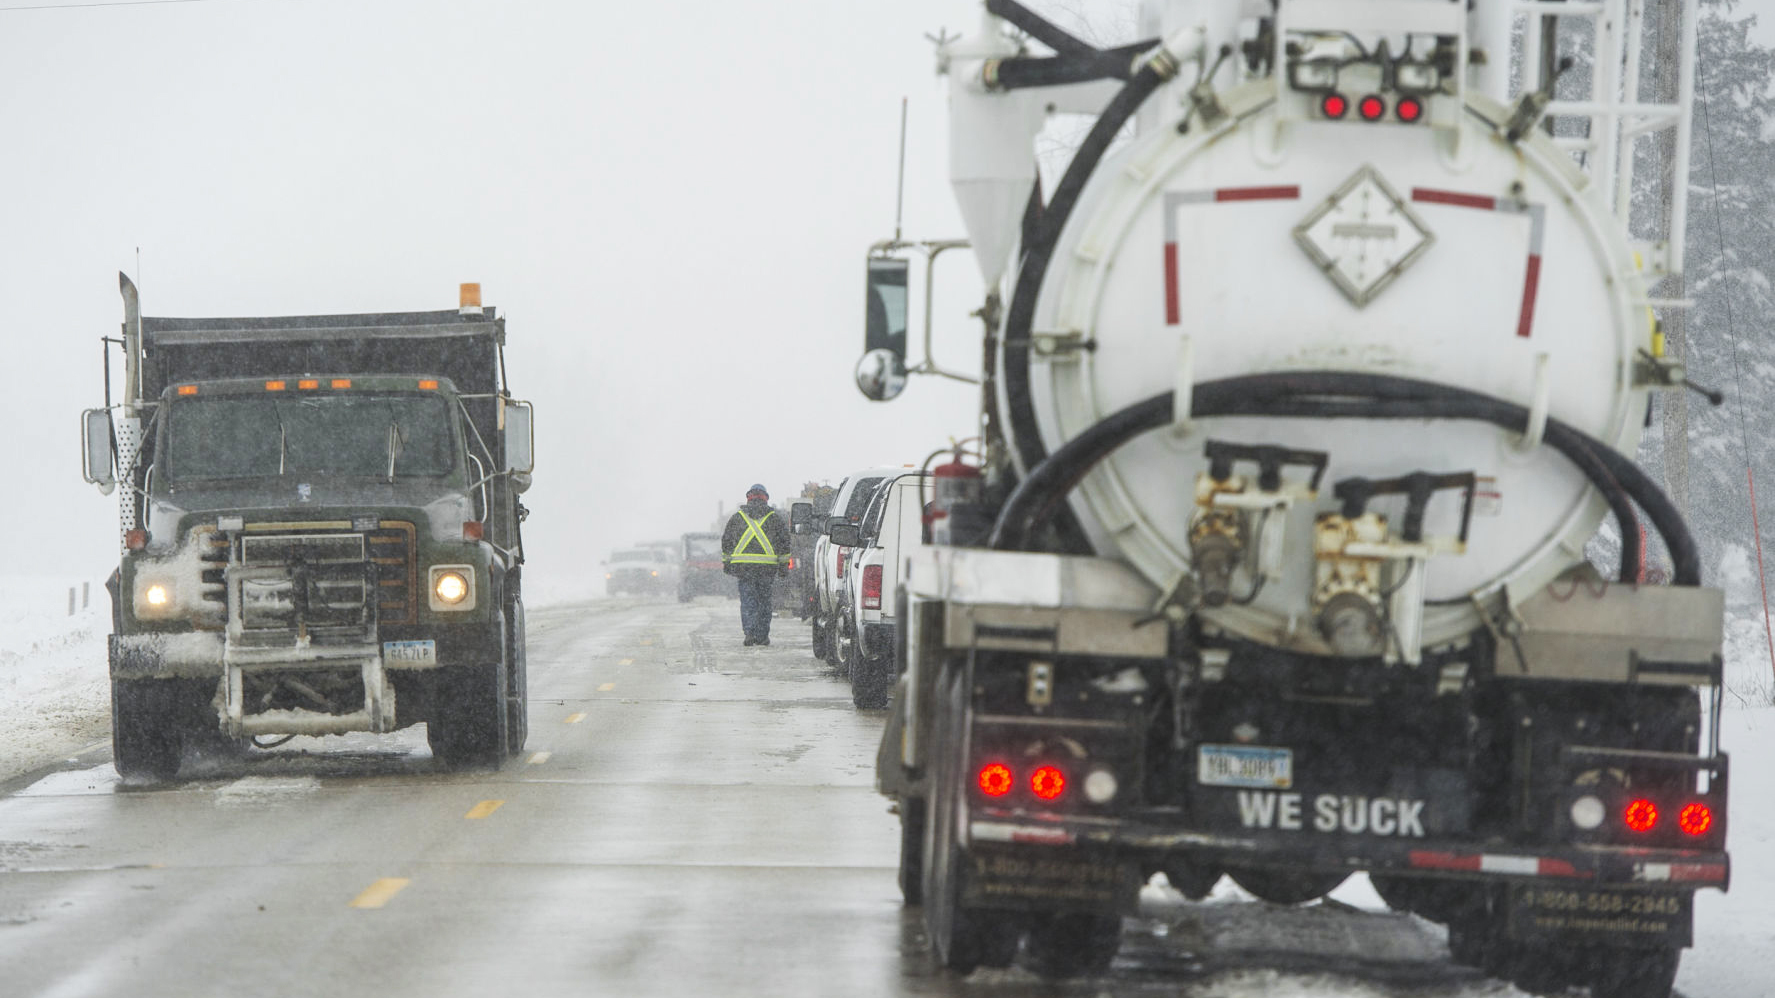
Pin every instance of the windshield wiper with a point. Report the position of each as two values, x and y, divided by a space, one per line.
395 442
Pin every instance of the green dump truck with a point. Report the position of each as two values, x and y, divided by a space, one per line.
320 532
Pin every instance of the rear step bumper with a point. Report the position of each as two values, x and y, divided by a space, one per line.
1612 866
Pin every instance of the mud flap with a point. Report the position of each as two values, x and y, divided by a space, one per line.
1048 879
1587 916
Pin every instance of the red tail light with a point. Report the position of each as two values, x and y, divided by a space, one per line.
136 539
791 564
841 563
1409 109
995 779
871 587
1695 819
1641 815
473 530
1334 105
1371 108
1048 782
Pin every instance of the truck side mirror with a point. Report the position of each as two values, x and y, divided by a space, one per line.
520 436
881 373
95 443
846 534
801 517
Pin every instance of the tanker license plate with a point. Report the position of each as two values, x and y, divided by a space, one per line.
410 652
1245 766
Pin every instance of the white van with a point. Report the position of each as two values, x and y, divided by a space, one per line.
891 527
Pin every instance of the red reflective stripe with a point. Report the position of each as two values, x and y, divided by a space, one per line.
1257 193
1560 868
1711 872
1444 861
1432 196
1171 310
1531 284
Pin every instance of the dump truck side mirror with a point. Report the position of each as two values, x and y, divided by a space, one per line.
95 443
520 436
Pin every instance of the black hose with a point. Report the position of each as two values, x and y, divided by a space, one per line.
1322 394
1025 71
1020 315
1038 27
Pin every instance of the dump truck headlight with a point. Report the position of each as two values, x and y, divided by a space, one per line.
452 587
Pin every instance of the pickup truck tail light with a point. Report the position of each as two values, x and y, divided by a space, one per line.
871 587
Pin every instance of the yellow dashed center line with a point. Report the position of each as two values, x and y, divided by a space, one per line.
538 758
626 661
575 718
483 809
607 687
378 894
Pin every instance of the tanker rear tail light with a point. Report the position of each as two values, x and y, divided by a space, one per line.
1371 107
1695 819
1640 815
871 587
995 779
1047 782
1409 109
1334 105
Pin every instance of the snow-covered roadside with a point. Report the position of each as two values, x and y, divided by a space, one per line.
54 696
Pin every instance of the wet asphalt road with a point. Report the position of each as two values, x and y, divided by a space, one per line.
690 818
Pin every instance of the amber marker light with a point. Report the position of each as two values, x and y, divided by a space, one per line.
307 383
428 384
187 389
341 382
275 386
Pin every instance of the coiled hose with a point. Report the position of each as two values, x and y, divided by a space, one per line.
1343 395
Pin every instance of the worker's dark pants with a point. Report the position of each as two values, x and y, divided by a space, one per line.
755 600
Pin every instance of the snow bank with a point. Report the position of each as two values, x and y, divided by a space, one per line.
54 693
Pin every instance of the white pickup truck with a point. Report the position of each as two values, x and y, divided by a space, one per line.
891 528
854 494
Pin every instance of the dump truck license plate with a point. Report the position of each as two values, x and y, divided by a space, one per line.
410 652
1245 766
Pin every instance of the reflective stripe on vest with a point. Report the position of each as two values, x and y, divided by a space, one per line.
766 555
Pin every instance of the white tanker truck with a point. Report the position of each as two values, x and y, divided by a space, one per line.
1301 405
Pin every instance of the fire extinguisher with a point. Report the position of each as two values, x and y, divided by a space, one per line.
957 514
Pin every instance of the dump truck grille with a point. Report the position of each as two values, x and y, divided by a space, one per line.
397 572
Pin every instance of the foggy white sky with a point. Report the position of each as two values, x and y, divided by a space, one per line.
670 202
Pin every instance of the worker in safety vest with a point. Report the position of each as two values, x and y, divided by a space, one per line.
755 550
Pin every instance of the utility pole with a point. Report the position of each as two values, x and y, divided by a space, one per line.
1676 403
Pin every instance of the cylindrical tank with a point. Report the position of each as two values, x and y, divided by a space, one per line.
1286 240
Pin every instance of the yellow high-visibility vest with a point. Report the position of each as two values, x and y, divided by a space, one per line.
766 554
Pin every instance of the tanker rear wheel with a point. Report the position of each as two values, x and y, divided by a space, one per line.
961 938
1620 973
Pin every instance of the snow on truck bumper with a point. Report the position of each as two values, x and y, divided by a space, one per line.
205 654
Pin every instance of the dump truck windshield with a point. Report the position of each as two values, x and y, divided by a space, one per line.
369 436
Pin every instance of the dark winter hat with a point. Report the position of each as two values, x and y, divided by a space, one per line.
759 491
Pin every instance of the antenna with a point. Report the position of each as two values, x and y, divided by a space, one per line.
900 184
